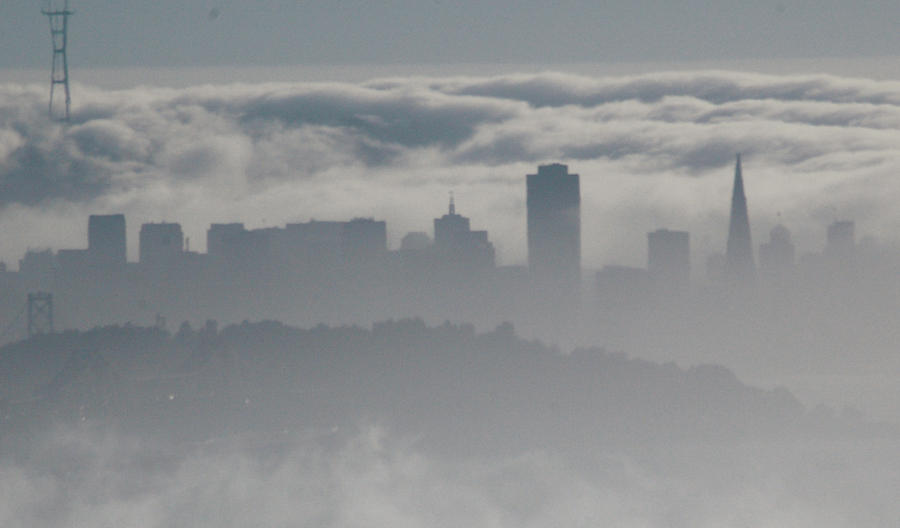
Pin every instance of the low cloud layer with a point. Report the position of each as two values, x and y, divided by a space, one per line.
372 478
653 151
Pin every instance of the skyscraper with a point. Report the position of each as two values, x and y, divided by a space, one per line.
160 244
106 240
458 245
739 263
554 225
776 257
363 241
450 228
220 237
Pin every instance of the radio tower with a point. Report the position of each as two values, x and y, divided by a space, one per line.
59 32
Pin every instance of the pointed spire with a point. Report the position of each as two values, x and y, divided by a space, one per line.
452 204
739 260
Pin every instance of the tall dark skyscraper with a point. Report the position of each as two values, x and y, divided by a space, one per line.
106 239
739 263
554 225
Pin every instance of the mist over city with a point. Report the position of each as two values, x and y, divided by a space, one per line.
400 265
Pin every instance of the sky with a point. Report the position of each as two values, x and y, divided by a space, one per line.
278 111
169 33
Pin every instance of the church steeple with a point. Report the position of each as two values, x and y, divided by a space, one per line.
739 262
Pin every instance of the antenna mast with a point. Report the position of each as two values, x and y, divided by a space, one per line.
59 32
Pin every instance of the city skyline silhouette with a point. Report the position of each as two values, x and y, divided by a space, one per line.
428 264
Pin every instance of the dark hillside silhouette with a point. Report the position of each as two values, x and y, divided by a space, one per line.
458 389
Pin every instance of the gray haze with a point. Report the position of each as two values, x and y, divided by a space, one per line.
308 369
208 32
377 479
403 424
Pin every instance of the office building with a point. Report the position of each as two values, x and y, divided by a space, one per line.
37 262
776 257
106 240
415 241
74 260
458 245
161 244
315 244
220 236
363 240
554 225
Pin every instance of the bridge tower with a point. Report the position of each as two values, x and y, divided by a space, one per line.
40 313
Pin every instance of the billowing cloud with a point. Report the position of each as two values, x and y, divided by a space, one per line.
372 478
653 150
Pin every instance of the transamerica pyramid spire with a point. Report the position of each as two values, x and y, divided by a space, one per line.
739 263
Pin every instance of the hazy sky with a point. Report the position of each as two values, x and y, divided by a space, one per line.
654 150
105 33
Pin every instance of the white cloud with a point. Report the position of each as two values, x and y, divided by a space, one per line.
373 478
653 150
